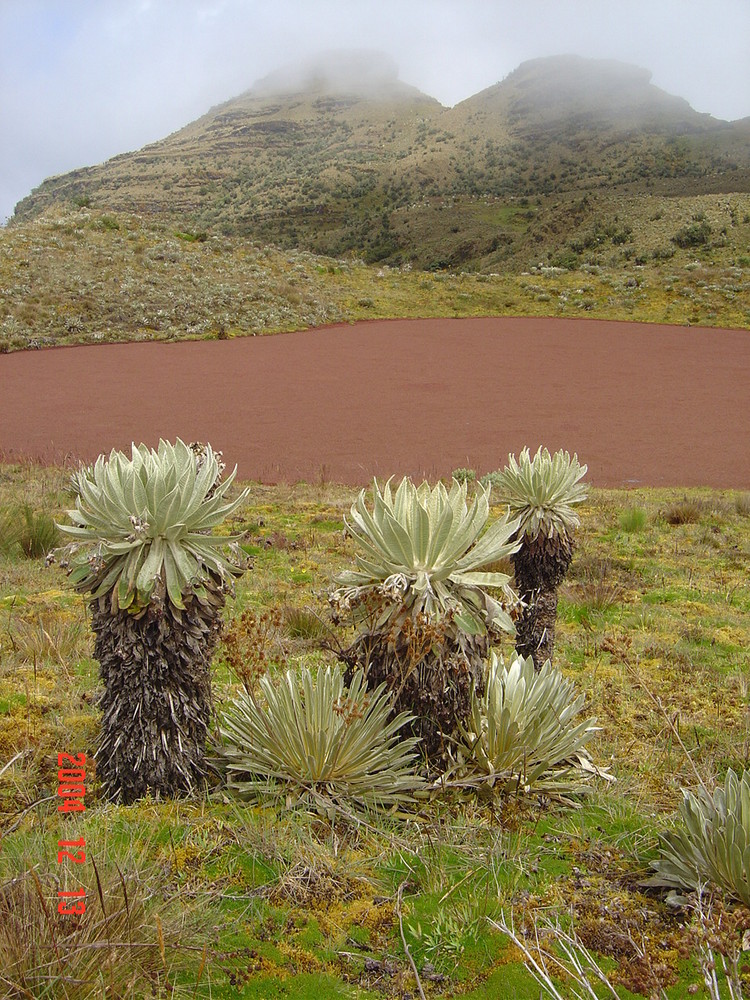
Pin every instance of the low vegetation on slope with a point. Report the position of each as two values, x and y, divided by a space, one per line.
83 276
219 898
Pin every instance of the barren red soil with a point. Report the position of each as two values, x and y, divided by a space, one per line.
640 404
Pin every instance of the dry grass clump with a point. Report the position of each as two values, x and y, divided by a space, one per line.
124 945
47 634
685 511
303 623
597 587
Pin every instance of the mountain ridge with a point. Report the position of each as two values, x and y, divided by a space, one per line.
343 157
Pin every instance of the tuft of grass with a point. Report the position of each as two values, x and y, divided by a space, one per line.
303 623
27 532
633 519
125 943
597 590
685 511
47 634
10 532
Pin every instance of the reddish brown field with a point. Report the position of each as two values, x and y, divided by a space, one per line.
640 404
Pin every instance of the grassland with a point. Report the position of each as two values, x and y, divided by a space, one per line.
81 276
234 900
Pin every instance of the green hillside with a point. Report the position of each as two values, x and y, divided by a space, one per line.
80 275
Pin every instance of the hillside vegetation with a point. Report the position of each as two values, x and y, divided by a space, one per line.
80 275
564 160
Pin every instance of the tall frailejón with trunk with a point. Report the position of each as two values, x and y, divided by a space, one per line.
419 598
541 492
142 549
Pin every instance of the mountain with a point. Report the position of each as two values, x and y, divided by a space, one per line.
340 156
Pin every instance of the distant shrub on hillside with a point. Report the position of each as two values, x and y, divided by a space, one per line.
697 234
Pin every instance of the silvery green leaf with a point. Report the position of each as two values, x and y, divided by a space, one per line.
711 840
315 736
432 539
522 733
135 512
541 491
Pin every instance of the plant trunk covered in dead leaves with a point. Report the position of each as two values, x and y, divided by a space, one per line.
156 704
539 566
429 672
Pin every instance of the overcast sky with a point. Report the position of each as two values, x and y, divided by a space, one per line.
83 80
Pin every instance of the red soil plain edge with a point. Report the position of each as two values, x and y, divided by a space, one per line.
641 404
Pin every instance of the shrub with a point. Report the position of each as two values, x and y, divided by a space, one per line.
190 237
568 259
463 475
697 234
313 742
712 842
524 734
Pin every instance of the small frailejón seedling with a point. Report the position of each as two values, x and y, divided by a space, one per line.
711 842
419 599
142 549
541 492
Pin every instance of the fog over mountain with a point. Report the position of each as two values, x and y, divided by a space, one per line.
80 81
361 71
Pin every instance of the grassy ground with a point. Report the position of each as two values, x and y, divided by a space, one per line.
227 900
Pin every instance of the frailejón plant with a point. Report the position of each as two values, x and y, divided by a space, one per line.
420 598
525 733
142 549
542 493
310 741
711 842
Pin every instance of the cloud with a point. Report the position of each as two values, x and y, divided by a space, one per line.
82 81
